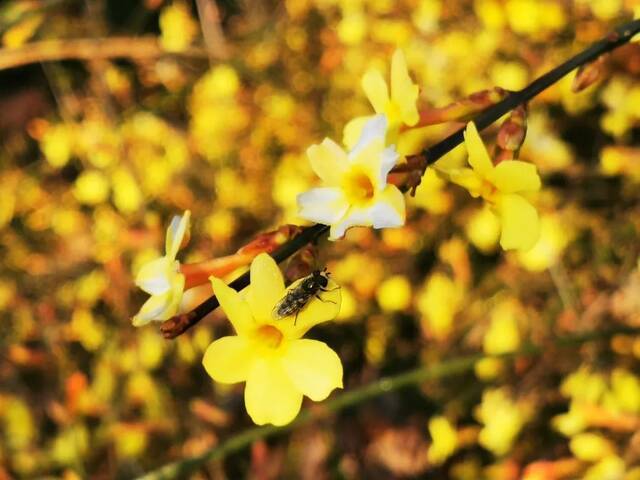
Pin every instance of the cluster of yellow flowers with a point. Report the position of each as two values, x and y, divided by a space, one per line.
356 192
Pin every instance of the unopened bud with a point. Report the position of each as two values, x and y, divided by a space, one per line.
514 130
589 73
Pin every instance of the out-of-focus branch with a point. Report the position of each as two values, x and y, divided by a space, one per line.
90 49
447 368
179 324
211 29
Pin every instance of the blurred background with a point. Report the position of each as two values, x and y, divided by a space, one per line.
117 115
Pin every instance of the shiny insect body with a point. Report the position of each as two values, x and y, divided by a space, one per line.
297 298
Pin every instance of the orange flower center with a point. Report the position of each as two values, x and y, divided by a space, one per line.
358 186
269 336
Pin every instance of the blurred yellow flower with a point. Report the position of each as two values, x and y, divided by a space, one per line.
356 192
161 278
590 447
400 108
555 234
502 419
438 303
177 27
269 354
444 440
502 187
394 294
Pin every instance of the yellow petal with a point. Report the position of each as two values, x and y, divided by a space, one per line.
270 396
375 88
229 359
404 93
467 178
389 209
161 307
266 289
322 205
155 277
512 176
353 130
317 310
520 223
478 156
328 161
313 367
175 233
234 306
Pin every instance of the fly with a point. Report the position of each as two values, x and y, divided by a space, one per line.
298 298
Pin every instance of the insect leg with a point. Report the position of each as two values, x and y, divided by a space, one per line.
325 301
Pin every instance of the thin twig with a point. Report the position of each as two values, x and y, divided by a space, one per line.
90 49
446 368
179 324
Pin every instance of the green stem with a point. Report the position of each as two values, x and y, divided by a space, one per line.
446 368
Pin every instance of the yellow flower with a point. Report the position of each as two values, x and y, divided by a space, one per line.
445 440
502 418
268 353
161 278
400 108
502 187
356 191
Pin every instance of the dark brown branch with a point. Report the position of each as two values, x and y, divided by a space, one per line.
180 323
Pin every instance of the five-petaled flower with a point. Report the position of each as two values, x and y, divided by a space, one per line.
503 187
161 278
356 191
268 353
399 107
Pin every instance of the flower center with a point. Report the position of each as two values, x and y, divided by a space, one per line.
269 336
358 186
488 191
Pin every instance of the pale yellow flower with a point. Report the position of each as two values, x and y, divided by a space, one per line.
503 187
356 191
161 278
399 107
270 354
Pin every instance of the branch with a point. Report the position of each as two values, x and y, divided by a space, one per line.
444 369
179 324
90 49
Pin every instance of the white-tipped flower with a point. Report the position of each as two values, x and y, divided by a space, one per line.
356 192
161 278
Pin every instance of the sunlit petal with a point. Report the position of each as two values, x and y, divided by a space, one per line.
313 367
161 307
270 396
374 131
229 359
404 93
375 88
155 277
389 209
266 288
322 205
355 216
328 161
353 130
176 232
512 176
235 307
520 223
478 156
